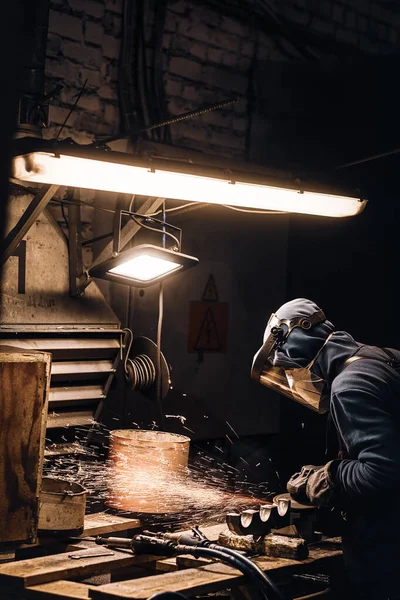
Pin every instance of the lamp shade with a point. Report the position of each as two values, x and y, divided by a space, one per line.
143 265
127 173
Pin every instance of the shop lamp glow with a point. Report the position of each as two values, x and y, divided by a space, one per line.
143 265
73 165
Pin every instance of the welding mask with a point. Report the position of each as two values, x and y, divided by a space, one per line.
286 360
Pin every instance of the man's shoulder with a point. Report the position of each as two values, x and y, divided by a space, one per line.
370 373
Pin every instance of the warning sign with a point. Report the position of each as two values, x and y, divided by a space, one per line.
210 293
208 326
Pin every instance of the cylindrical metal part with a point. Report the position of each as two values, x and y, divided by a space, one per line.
147 470
62 506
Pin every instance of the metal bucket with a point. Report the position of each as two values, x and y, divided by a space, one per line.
62 507
146 471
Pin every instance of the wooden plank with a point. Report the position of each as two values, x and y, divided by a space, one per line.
70 419
167 565
100 523
24 391
212 577
209 578
185 561
59 590
34 571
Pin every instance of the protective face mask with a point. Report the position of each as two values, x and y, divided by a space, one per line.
307 389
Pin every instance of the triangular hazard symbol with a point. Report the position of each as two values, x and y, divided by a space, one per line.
210 293
208 338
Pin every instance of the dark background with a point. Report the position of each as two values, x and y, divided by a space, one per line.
337 111
321 114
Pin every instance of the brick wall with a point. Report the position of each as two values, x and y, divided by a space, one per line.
366 25
208 57
83 46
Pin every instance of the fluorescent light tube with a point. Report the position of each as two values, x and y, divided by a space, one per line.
75 171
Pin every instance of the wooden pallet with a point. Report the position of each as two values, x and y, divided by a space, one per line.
138 577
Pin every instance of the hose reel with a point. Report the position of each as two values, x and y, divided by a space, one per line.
144 364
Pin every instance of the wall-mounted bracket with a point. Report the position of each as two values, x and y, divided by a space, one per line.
37 205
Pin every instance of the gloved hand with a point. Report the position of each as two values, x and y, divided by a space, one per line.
314 485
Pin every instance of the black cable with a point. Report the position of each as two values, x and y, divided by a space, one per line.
249 569
64 217
72 109
82 202
141 68
267 581
158 80
126 86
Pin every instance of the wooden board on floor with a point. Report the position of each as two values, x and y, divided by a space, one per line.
59 590
34 571
24 390
210 578
184 561
102 523
213 577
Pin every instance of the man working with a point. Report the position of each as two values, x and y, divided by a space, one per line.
306 359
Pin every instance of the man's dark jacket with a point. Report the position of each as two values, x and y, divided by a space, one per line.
365 408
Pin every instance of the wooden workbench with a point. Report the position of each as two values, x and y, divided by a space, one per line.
60 577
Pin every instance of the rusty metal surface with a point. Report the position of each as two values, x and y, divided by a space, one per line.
62 506
142 464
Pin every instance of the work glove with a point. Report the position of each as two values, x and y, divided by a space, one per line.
315 485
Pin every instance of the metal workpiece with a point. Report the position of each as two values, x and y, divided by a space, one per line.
283 516
261 521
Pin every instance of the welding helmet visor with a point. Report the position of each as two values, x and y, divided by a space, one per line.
271 368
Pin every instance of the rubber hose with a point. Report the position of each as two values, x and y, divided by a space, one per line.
233 560
269 585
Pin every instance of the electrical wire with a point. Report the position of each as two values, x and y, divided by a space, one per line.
159 371
156 230
82 202
190 205
72 109
130 333
141 67
125 82
258 212
132 200
64 216
157 72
